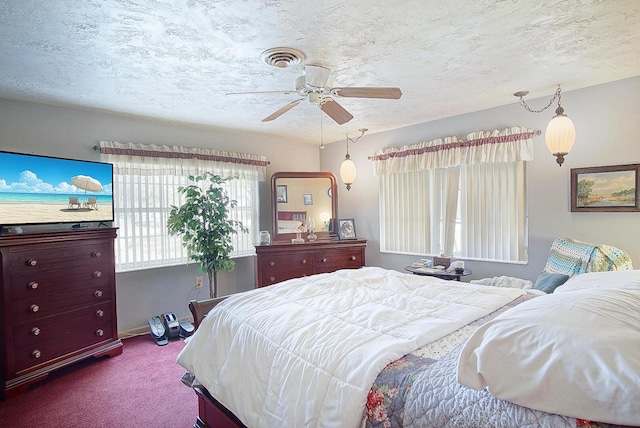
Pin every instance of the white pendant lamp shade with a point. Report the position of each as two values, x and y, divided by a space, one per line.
560 135
348 171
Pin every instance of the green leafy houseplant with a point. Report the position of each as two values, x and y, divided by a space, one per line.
203 221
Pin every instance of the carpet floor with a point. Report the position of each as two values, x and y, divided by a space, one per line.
139 388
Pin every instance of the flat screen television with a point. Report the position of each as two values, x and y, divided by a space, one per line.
48 190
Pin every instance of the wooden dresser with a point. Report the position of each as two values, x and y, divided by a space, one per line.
58 303
283 260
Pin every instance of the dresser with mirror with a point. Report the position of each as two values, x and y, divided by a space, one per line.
302 201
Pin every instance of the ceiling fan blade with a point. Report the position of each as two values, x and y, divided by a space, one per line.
354 92
262 92
316 75
283 110
335 111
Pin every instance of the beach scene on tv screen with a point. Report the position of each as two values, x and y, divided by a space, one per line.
37 190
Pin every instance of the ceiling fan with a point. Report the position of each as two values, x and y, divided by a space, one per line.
314 86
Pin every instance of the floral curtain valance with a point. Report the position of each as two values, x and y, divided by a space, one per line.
183 160
510 145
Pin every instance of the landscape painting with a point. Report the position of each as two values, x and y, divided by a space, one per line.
606 188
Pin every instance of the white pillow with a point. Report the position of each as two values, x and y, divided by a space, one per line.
629 279
289 224
574 354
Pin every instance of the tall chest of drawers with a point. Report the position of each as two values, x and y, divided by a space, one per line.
282 260
58 303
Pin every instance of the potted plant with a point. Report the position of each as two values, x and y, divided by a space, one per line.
203 221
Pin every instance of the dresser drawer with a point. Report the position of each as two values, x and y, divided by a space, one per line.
83 336
36 258
42 330
58 281
274 277
28 309
329 261
280 267
294 260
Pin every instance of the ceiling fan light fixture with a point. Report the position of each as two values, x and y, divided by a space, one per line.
314 98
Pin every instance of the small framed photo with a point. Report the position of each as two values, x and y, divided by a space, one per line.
346 228
282 193
605 188
308 199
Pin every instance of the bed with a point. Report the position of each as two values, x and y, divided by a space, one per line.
379 348
292 221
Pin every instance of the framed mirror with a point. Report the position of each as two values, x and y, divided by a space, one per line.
299 196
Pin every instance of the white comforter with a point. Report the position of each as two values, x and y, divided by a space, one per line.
305 352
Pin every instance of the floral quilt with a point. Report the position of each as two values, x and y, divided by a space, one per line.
421 390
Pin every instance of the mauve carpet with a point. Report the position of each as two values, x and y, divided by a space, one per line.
139 388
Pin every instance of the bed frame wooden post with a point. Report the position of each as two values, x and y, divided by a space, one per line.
200 308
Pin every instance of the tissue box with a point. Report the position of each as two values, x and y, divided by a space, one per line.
442 261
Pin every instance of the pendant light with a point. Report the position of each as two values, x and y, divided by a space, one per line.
561 133
348 167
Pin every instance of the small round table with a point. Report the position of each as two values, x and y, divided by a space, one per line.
443 274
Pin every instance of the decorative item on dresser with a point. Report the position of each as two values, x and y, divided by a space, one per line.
58 303
282 260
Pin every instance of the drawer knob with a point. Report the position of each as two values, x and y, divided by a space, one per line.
34 308
96 254
97 274
271 278
99 332
97 293
324 260
32 262
32 285
35 331
353 258
99 313
36 354
272 263
304 261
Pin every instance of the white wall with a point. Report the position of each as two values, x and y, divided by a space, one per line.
62 132
607 121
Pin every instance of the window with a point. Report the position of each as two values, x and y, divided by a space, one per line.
146 179
472 210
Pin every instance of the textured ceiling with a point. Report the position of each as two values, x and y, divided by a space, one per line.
176 59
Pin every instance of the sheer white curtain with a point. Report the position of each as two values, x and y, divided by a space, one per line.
448 196
146 179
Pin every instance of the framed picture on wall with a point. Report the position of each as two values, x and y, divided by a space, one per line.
605 188
282 193
346 228
308 198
